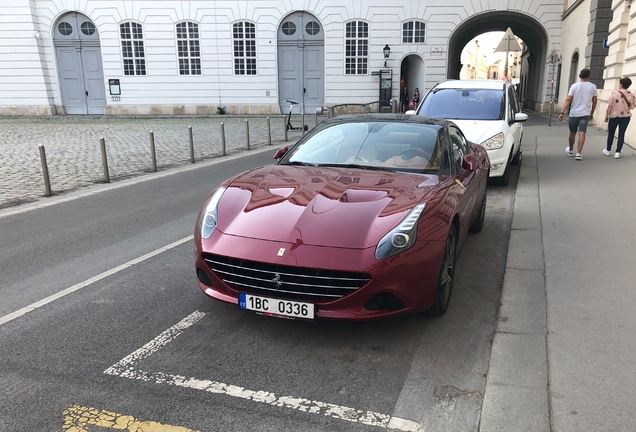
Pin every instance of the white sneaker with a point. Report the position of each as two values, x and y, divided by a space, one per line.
578 156
617 155
606 152
568 151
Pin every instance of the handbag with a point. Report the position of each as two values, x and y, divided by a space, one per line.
411 104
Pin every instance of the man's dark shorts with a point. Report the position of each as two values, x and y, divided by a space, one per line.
578 123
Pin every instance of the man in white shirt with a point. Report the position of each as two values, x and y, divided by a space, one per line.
582 98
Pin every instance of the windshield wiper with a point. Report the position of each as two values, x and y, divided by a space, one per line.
364 167
298 163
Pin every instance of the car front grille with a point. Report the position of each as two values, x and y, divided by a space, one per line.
296 283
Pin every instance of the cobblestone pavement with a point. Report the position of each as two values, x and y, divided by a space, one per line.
73 152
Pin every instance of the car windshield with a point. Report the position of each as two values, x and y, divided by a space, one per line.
394 146
464 104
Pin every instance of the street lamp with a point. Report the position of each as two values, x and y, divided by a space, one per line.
387 51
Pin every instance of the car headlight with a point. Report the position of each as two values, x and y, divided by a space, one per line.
402 236
495 142
209 218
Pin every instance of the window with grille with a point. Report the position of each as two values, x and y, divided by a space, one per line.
413 32
356 48
188 49
132 48
244 37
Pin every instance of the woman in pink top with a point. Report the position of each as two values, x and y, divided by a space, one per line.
620 103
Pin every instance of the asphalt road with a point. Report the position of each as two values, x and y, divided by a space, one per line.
175 357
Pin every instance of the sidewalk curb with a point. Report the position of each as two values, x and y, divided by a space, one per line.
516 395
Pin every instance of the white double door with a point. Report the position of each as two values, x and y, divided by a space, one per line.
81 79
79 64
300 72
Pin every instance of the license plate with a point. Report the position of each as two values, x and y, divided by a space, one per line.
275 307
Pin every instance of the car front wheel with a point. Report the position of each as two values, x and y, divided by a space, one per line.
446 275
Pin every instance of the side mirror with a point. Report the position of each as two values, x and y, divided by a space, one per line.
521 117
469 163
281 152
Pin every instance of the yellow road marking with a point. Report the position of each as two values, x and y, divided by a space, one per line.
78 418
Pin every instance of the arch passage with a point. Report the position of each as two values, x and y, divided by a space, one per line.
532 79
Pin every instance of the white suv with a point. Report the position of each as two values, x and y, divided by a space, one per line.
487 112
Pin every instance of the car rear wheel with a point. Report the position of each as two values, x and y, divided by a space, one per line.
446 275
478 224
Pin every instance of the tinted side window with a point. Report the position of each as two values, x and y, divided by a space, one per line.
445 162
458 146
510 106
515 97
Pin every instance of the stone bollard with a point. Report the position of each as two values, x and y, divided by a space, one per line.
45 172
191 139
223 149
247 133
102 144
153 155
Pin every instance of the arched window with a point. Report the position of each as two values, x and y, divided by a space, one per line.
244 37
413 32
188 48
356 48
132 48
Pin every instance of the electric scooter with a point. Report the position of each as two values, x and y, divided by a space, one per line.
289 125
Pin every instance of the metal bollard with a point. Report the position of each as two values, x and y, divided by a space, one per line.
316 118
269 132
303 121
247 133
331 112
45 172
223 150
285 127
102 144
191 144
152 151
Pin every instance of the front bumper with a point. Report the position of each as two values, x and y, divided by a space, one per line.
411 276
499 160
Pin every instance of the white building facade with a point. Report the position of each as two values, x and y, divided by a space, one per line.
250 56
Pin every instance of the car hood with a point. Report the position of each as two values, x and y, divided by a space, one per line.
335 207
478 131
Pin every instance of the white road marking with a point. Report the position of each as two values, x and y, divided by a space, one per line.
126 368
5 319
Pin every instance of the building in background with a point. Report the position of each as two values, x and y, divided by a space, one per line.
247 56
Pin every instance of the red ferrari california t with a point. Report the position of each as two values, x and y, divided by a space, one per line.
361 219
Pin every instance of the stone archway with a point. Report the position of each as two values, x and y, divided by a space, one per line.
574 69
534 36
412 71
